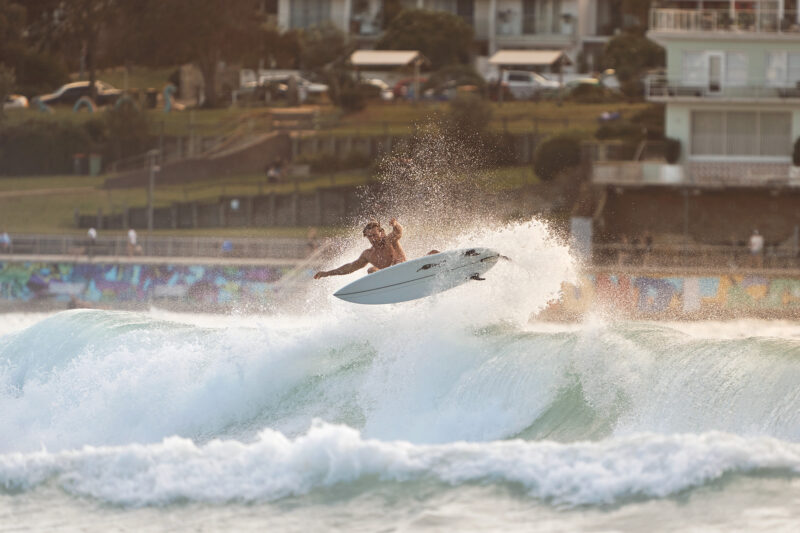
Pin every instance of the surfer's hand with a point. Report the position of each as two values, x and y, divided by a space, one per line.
393 221
320 275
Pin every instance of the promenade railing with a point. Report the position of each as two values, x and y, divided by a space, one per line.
159 246
694 256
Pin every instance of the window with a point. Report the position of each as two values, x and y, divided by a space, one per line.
783 69
741 133
776 68
694 68
776 133
519 76
309 13
708 133
736 69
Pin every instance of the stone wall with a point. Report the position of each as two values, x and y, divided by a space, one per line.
130 285
670 296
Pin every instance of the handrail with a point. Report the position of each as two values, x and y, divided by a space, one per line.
158 246
724 20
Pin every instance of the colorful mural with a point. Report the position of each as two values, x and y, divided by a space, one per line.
116 283
675 296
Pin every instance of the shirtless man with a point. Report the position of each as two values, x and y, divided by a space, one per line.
385 252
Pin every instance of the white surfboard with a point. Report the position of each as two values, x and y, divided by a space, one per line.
420 277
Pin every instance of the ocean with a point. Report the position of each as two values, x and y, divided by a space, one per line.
452 413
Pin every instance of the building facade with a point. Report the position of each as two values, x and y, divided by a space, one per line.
731 88
578 27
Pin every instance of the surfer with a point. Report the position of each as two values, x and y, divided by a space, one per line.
385 251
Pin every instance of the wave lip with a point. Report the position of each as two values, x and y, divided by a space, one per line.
274 467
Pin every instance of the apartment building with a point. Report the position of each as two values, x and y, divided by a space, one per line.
578 27
731 87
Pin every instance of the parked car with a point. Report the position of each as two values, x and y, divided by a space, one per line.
524 85
70 93
15 101
607 80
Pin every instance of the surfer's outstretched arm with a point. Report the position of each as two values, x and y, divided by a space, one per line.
397 230
361 262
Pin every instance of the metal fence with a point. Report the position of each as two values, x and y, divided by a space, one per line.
694 256
117 246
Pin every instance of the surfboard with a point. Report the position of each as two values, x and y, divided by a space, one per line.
420 277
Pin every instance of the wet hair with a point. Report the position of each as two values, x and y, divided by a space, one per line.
371 224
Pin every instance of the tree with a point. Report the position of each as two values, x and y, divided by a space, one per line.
6 84
631 54
35 70
203 32
442 37
325 50
83 20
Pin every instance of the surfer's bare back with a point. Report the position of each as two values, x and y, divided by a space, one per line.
385 251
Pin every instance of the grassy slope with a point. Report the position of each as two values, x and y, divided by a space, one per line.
54 212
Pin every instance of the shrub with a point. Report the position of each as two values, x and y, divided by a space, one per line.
590 94
469 115
672 150
796 153
622 130
455 75
651 118
353 98
41 147
556 155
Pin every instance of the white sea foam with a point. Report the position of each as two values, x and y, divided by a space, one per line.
274 466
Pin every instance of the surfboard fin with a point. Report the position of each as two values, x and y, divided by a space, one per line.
427 266
477 277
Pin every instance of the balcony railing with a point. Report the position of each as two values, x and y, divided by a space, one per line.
661 88
691 255
710 174
723 20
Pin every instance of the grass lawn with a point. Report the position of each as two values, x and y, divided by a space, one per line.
379 118
514 117
54 212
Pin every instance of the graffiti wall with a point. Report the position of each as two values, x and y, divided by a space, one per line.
676 296
202 285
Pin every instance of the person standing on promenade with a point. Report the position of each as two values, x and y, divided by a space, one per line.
5 242
92 233
131 242
756 246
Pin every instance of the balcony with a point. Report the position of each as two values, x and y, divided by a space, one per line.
663 89
706 174
740 21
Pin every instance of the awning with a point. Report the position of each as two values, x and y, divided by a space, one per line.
531 58
384 58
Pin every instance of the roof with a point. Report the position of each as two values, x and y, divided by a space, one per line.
384 58
529 57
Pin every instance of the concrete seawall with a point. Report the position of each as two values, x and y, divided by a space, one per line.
50 282
668 294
